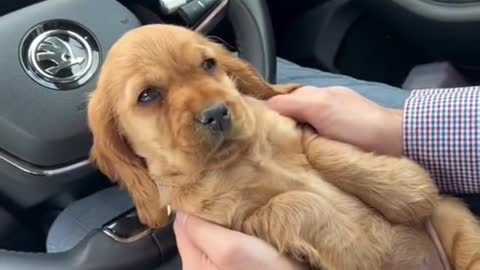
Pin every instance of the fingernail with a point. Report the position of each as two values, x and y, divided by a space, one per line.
181 218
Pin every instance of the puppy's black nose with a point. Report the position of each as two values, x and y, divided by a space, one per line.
216 118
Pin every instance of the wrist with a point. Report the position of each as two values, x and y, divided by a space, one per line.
392 136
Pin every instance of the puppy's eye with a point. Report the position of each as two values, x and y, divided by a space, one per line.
148 96
209 65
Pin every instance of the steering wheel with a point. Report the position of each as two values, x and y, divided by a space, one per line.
50 59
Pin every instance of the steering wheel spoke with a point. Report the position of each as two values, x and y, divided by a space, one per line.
213 18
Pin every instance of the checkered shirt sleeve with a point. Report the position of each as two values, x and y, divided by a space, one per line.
442 133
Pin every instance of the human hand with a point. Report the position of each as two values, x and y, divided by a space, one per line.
206 246
341 114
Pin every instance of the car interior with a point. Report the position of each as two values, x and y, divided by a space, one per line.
52 50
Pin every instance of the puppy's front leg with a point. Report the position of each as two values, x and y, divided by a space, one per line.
307 227
396 187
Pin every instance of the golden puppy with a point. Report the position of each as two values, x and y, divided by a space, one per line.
176 120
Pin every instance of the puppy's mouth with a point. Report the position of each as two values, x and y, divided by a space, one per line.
221 143
225 150
226 144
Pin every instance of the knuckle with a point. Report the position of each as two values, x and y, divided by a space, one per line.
307 89
339 90
344 89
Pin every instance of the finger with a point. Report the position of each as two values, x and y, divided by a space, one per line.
234 250
189 253
298 104
192 257
220 244
288 105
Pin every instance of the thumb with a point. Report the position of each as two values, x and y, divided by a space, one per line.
218 243
192 257
295 105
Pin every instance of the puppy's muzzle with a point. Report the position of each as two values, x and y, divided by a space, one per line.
216 118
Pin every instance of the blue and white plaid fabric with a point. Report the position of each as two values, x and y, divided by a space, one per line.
442 133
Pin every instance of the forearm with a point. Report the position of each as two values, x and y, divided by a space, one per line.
441 131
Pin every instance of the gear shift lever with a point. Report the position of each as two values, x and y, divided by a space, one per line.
122 243
126 228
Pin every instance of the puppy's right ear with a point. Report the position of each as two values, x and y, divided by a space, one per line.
114 157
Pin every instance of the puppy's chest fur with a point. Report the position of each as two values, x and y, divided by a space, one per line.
279 164
231 196
276 164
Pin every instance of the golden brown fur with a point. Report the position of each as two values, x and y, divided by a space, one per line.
319 201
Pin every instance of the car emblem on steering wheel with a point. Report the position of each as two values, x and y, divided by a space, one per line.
62 58
59 52
53 56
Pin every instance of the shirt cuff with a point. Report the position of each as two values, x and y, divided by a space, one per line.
441 132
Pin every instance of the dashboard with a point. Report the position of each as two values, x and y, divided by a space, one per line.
444 28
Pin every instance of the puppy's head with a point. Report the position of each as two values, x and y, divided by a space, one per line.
168 103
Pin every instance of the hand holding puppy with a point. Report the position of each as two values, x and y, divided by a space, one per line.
206 246
341 114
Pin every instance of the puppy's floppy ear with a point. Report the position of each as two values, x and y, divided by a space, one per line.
247 79
115 158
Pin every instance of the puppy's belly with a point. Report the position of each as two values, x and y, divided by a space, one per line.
407 248
413 249
410 247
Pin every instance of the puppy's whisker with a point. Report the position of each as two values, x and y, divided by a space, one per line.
250 129
192 146
215 148
157 184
